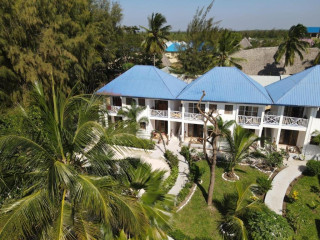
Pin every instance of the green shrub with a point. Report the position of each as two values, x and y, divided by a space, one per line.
179 235
195 173
171 158
274 159
184 192
133 142
267 225
171 180
185 152
264 184
313 167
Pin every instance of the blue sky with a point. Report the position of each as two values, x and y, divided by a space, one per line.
234 14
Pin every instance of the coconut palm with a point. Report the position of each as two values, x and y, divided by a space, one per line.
239 144
60 177
234 207
132 113
228 44
292 44
156 35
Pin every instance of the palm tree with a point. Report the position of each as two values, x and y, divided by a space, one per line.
239 144
292 44
60 177
234 207
132 113
156 35
228 44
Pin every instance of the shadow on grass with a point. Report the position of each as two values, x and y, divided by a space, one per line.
317 222
203 191
240 170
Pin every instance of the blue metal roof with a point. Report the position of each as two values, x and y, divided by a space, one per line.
145 82
226 84
313 29
175 47
301 89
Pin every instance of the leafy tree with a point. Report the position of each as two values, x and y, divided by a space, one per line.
227 45
156 35
292 44
239 144
220 129
61 181
132 113
234 208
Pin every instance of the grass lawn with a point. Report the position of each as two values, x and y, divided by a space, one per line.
195 219
310 219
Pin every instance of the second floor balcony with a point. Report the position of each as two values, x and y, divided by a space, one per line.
113 109
193 116
286 121
249 120
158 113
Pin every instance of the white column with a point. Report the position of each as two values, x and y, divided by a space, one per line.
237 113
308 132
280 112
182 122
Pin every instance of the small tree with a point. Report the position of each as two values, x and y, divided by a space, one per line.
133 112
220 129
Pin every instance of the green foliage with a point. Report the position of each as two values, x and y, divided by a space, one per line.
171 180
179 235
267 225
313 167
264 184
133 141
185 152
274 159
292 44
184 192
171 158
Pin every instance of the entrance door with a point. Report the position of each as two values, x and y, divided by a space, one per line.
195 130
161 126
289 137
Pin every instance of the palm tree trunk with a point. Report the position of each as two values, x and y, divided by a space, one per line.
212 172
154 59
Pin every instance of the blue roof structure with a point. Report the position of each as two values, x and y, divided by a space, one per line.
175 47
144 82
301 89
313 29
226 84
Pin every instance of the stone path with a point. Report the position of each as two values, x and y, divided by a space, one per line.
274 198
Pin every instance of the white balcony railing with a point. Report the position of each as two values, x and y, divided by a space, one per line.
114 109
271 119
295 122
193 116
176 114
158 113
249 120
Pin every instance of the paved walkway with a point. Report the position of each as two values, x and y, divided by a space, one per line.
274 198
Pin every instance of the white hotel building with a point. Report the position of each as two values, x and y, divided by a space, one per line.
287 111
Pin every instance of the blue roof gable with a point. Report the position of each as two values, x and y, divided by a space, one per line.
313 29
175 47
301 89
145 82
226 84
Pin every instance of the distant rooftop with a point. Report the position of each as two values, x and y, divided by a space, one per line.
313 29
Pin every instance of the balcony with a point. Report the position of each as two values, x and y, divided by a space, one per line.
114 109
295 122
158 113
271 119
176 115
193 116
249 120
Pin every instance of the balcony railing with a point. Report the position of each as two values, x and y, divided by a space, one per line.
295 122
114 109
176 114
193 116
271 119
158 113
249 120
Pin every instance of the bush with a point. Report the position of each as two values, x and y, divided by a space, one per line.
264 184
184 192
313 167
185 152
267 225
274 159
171 158
171 180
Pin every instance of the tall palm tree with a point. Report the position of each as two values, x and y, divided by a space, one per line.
228 44
132 113
61 179
156 35
239 144
234 208
292 44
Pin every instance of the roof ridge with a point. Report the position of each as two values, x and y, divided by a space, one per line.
294 85
155 69
248 78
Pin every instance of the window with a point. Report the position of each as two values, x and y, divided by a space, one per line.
194 109
116 101
213 108
228 109
143 125
141 102
318 114
129 101
248 111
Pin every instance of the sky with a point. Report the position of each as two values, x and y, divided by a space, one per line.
233 14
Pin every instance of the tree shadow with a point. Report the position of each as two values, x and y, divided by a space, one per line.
240 170
317 222
271 69
203 191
